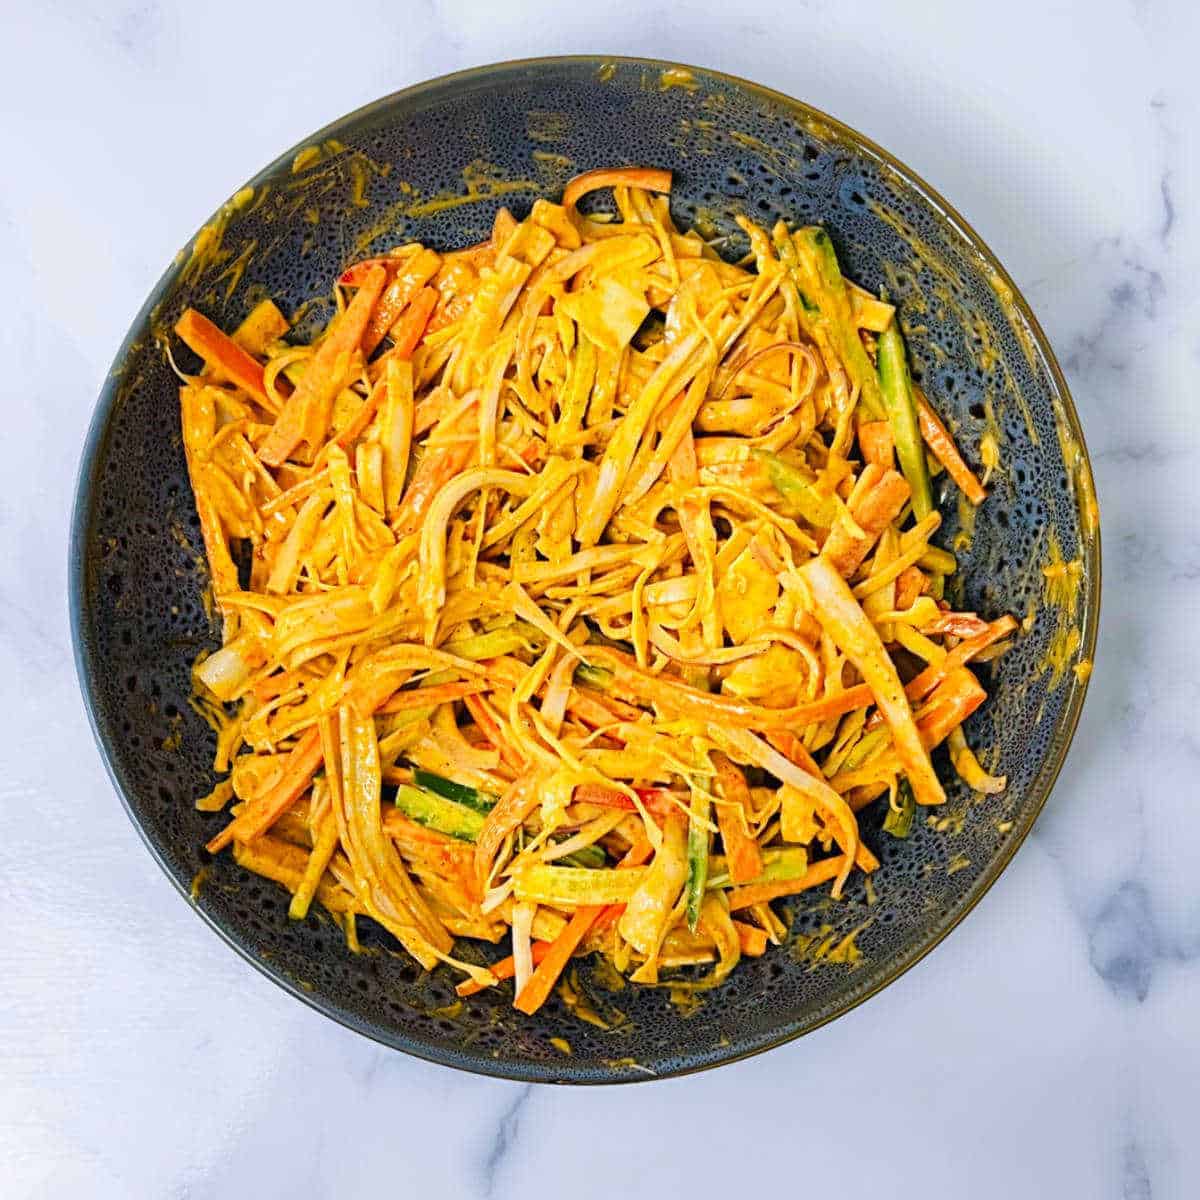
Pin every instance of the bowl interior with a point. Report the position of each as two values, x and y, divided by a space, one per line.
434 163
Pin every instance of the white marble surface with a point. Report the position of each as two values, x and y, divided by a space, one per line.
1050 1048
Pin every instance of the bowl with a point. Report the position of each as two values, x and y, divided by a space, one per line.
434 163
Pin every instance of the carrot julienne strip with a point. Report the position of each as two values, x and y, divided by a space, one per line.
651 179
263 811
223 353
941 444
819 873
295 422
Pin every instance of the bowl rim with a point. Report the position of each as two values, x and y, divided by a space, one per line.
527 1070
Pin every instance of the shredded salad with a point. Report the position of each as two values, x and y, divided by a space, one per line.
577 591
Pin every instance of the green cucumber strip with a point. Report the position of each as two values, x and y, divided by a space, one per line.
460 793
436 812
901 405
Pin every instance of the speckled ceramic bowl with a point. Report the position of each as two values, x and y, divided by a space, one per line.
434 162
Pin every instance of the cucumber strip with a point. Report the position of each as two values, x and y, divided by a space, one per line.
785 862
495 642
697 857
813 245
598 677
460 793
436 812
588 856
901 405
818 510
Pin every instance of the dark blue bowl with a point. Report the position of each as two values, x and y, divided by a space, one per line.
434 163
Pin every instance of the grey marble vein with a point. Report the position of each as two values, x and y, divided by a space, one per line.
503 1140
1135 1174
1123 943
1168 206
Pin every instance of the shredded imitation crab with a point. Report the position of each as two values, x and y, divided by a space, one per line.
577 589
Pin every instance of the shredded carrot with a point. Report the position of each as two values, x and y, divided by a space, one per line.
552 964
759 893
321 380
223 354
923 683
591 181
436 469
751 938
950 704
506 968
263 811
658 801
941 445
602 916
404 287
411 326
676 696
541 983
356 274
876 500
491 730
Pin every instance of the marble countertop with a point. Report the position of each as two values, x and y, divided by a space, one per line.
1051 1047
